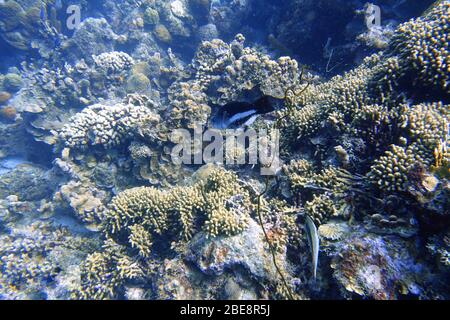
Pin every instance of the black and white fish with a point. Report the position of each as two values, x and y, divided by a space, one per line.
313 240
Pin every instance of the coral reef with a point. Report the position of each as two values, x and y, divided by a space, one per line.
93 205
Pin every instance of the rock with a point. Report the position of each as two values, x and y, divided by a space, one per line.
247 249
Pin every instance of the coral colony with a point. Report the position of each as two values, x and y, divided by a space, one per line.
197 149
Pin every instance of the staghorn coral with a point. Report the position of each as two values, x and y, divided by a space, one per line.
138 218
140 239
140 224
107 126
227 204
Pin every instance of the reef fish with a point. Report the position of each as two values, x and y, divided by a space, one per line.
242 113
239 116
313 240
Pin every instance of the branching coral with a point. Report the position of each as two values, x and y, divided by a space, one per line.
227 204
345 103
320 208
391 170
368 102
423 47
34 256
144 213
427 125
103 272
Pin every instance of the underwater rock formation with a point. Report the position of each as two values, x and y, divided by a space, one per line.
92 205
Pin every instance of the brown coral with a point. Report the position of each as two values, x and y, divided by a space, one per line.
8 113
4 97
